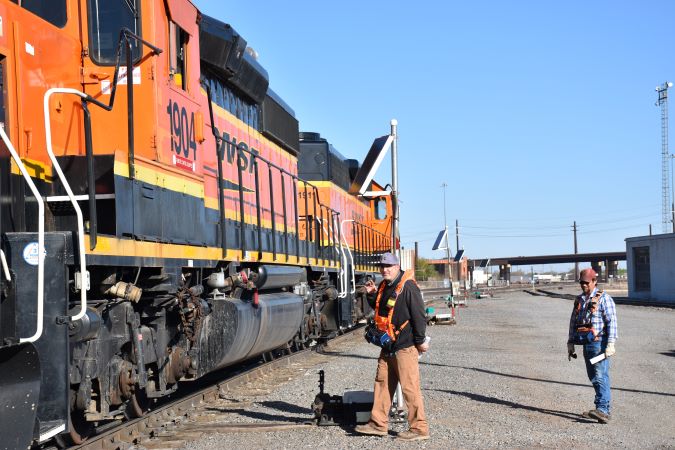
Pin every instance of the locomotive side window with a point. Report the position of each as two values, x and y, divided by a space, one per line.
106 19
177 55
380 209
53 11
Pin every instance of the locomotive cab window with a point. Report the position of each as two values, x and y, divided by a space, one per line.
53 11
380 208
177 55
107 18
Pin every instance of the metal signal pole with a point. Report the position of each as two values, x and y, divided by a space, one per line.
394 185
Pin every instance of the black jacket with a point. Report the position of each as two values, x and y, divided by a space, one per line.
409 306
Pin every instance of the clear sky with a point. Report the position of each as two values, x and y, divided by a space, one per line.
535 113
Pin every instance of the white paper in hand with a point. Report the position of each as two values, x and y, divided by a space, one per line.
598 358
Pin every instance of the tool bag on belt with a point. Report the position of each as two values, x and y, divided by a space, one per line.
382 331
584 333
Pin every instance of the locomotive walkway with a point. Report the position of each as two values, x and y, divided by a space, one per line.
499 378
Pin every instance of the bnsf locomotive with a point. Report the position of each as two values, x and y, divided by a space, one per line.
162 216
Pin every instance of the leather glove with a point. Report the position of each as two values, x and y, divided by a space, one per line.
571 353
610 350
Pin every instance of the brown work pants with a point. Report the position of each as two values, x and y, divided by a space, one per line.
403 368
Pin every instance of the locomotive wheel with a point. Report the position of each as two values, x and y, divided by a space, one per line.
137 402
80 431
137 405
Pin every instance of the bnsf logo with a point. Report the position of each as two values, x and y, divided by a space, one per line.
228 148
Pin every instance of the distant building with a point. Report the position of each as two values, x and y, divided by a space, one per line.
650 262
480 277
459 270
545 278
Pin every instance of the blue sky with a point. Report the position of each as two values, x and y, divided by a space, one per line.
535 113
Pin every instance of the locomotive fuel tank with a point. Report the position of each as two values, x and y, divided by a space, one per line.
236 329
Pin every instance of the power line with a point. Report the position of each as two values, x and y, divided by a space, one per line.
513 235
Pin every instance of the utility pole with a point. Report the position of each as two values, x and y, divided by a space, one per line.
417 249
576 263
457 233
665 156
445 224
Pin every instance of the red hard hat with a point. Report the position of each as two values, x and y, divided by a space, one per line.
588 275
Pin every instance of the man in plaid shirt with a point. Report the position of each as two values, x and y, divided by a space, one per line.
593 324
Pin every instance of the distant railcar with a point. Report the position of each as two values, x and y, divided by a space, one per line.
161 213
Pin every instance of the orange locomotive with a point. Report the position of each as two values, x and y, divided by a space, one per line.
162 216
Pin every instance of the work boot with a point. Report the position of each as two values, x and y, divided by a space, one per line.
368 428
600 416
412 436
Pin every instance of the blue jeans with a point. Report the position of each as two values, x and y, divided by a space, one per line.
598 374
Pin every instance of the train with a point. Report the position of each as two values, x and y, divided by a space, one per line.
162 214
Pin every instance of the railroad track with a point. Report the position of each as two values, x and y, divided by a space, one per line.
617 300
189 417
439 292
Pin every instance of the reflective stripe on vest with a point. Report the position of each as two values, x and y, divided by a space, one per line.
384 323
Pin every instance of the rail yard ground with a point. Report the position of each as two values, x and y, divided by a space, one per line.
499 378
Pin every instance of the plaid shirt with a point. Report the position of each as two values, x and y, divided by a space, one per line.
604 320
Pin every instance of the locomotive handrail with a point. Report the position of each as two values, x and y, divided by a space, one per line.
283 205
353 290
256 157
343 268
69 191
328 231
5 267
41 236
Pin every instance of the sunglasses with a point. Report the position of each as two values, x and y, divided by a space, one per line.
584 283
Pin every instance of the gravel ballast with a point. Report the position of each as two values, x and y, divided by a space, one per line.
498 378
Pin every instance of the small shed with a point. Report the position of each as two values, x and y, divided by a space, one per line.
650 262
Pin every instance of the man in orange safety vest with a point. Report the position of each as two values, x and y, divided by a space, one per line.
399 312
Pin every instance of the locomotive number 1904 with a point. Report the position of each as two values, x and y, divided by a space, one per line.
182 126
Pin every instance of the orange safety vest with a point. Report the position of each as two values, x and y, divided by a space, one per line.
383 323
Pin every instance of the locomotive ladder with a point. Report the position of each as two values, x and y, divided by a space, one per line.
84 276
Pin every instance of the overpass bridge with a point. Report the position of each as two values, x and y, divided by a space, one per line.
604 263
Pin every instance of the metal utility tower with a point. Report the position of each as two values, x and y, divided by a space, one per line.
665 158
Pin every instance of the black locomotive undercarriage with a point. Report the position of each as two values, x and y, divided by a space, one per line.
145 329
